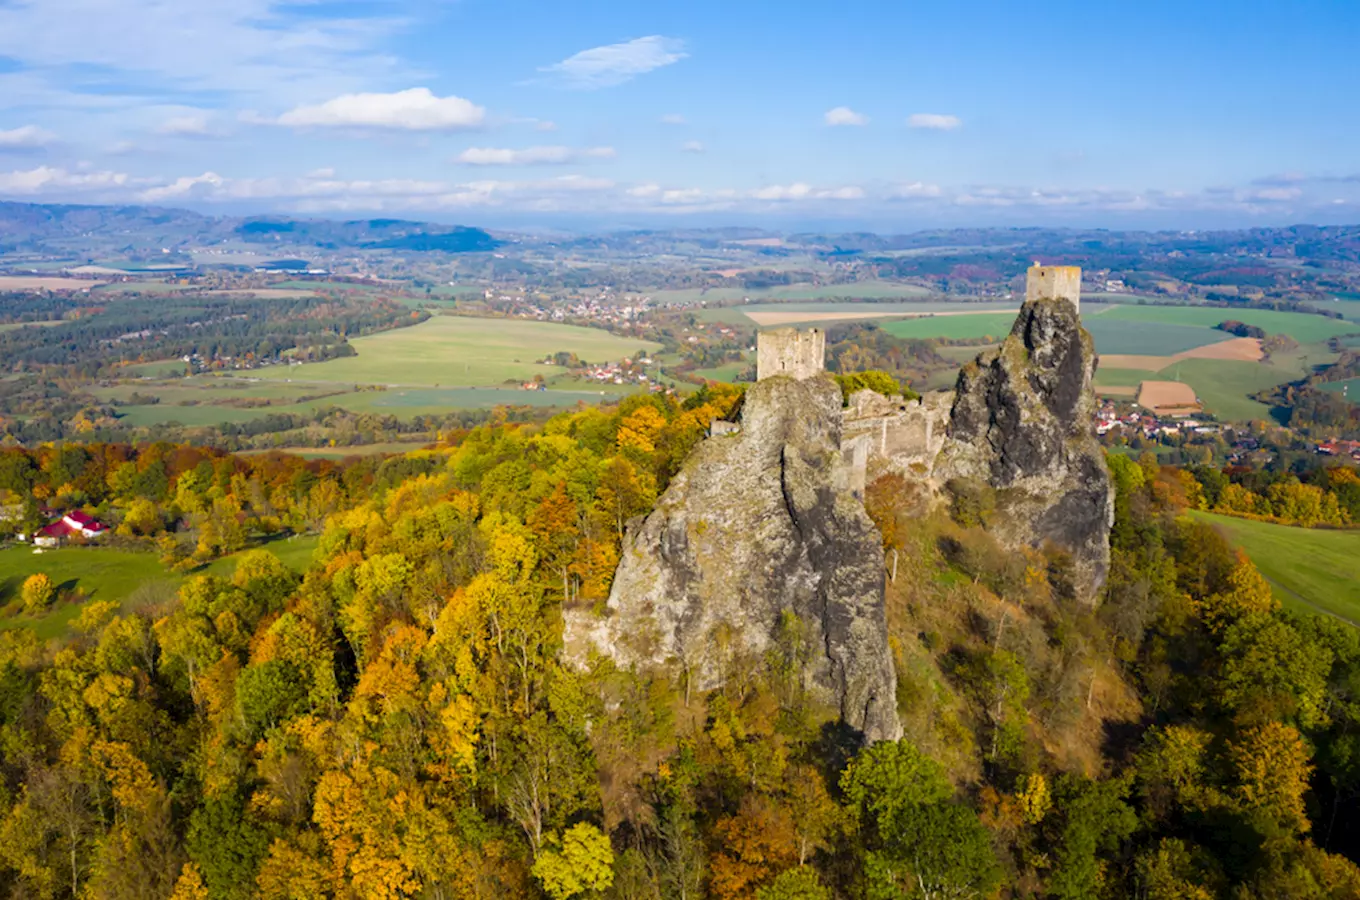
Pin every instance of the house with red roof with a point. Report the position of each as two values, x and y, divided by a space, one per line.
72 524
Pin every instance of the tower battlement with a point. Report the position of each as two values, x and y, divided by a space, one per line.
1054 283
788 351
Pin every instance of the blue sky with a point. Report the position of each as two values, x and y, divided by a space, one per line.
883 115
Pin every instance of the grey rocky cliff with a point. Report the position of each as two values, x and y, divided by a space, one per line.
1023 423
759 522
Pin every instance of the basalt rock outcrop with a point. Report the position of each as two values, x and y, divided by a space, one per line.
761 521
1023 424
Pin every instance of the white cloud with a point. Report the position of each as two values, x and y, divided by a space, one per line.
673 119
615 64
844 115
545 126
934 121
182 187
803 191
265 47
46 179
914 190
531 156
644 190
1276 195
195 124
693 147
26 137
416 109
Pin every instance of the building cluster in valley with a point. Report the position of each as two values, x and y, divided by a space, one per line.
1344 449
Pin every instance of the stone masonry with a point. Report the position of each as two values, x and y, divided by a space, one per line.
787 351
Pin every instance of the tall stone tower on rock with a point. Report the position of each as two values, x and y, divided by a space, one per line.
1054 283
790 352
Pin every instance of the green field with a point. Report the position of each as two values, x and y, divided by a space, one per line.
1302 327
1152 338
1310 568
1121 377
728 372
460 351
868 290
103 574
1224 386
996 325
1350 387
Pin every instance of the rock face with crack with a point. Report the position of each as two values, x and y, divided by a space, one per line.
760 522
1023 424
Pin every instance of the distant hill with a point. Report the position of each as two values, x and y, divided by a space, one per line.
39 226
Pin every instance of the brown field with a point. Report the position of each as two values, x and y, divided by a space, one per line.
1237 350
1168 397
45 283
761 242
1117 391
787 318
728 273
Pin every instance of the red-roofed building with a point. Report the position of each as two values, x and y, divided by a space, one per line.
72 524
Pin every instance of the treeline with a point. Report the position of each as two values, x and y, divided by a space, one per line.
863 347
1325 496
212 327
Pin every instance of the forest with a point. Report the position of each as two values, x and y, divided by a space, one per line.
397 721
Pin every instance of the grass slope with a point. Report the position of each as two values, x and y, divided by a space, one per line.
1225 386
1311 569
996 325
1148 338
104 574
460 351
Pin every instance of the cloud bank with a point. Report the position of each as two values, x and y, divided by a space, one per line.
416 109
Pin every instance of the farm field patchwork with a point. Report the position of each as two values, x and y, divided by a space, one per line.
1311 569
1224 387
1153 338
1302 327
775 316
460 351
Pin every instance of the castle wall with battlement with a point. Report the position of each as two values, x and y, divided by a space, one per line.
790 352
1054 283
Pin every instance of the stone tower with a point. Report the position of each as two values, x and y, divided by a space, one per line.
1054 282
788 351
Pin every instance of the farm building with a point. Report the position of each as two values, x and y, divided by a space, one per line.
1168 398
71 524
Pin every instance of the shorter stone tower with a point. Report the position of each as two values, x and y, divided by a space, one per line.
1053 283
788 351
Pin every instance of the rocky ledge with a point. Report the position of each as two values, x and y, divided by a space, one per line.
759 523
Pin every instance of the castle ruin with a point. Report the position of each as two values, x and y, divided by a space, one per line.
790 352
878 434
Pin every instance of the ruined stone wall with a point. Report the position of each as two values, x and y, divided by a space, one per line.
790 352
902 436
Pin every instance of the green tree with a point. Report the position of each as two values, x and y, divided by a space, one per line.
582 866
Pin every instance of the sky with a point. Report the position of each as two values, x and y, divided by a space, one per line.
608 114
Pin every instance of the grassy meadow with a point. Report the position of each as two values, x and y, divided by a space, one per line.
105 574
996 325
1311 569
455 351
